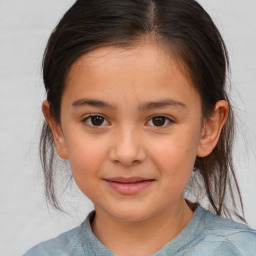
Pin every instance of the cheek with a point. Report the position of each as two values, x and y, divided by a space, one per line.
176 151
175 159
85 157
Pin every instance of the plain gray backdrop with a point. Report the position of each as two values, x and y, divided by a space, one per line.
24 29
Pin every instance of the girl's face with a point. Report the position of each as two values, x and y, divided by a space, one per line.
131 126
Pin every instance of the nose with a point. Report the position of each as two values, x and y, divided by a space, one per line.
127 148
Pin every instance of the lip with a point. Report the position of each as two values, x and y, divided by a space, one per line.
128 186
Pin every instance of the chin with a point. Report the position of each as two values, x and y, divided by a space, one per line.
130 214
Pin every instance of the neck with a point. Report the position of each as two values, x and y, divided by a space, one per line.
129 238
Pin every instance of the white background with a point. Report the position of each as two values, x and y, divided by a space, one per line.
24 29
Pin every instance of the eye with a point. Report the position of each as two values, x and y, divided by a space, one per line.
95 120
159 121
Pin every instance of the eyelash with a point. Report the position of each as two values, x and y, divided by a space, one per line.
167 119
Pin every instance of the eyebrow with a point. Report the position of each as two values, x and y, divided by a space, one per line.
142 107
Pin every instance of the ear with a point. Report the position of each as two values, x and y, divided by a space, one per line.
58 137
212 128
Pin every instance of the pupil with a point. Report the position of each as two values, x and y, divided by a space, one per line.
158 121
97 120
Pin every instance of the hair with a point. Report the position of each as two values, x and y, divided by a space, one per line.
182 27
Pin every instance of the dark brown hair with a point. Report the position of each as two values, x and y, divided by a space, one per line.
188 32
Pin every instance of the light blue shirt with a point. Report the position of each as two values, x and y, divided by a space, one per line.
204 235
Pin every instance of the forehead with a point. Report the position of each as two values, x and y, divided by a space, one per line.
114 57
144 70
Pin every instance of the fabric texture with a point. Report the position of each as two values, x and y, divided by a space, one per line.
205 234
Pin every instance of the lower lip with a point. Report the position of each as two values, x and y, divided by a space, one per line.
129 188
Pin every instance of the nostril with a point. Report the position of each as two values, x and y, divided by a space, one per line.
126 148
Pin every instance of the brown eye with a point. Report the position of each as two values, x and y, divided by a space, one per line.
95 121
160 121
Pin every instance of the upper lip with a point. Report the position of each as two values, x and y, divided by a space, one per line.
127 180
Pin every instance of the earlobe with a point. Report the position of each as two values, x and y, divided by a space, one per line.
212 129
59 140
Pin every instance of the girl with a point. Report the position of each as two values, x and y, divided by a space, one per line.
136 102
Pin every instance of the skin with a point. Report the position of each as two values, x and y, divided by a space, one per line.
128 143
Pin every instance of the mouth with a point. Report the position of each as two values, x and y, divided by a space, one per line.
129 186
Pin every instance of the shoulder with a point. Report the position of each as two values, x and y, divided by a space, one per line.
227 235
79 241
68 243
